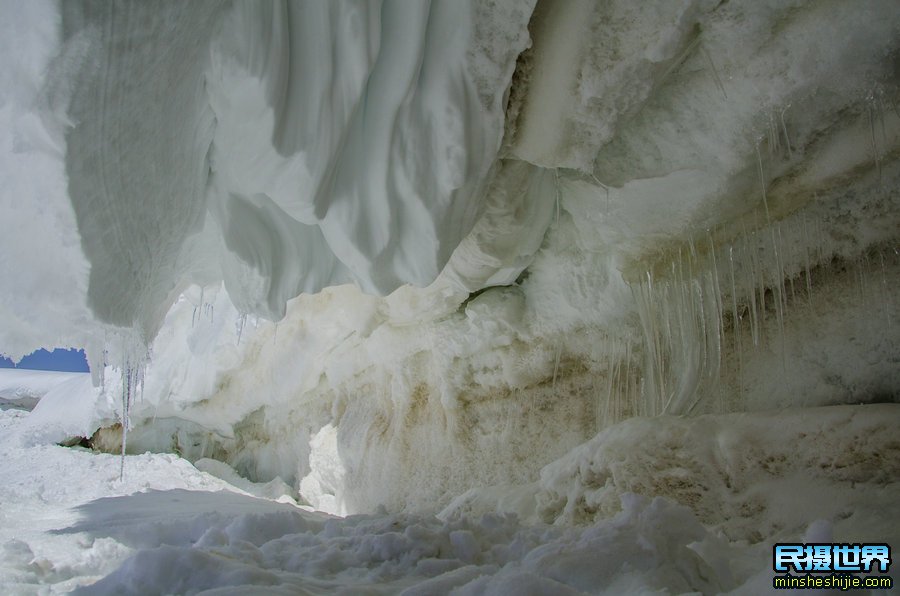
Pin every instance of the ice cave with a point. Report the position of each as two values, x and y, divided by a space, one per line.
448 296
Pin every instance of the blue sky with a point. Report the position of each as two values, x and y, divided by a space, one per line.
71 360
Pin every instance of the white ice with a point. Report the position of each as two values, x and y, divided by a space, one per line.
465 256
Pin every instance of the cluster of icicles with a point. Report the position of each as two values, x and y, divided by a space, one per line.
707 295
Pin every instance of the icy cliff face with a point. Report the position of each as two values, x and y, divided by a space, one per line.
689 208
281 147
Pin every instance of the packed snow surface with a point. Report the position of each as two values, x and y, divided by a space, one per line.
23 388
69 522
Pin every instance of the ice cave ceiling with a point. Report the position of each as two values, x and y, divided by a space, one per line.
354 226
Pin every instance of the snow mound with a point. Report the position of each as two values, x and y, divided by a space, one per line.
754 477
23 388
650 545
70 409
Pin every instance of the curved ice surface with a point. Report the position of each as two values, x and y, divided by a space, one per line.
326 142
137 151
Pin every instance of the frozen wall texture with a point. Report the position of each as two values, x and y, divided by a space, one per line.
326 142
392 251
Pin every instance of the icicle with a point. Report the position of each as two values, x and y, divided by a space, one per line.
875 152
204 445
718 307
881 110
531 406
806 261
678 61
734 309
737 324
820 243
644 296
557 195
751 290
778 286
761 288
683 313
126 412
773 136
604 187
762 183
716 77
860 280
134 360
886 293
103 370
556 366
791 259
704 332
240 327
657 351
787 139
629 398
610 366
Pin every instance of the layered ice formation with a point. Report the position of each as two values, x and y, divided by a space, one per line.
395 252
282 147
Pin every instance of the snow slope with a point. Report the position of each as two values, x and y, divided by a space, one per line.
23 388
42 484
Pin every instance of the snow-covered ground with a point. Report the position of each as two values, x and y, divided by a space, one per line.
22 388
673 505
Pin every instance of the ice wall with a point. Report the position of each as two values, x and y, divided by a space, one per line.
376 129
681 209
281 147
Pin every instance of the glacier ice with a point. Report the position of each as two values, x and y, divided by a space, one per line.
233 154
486 230
568 260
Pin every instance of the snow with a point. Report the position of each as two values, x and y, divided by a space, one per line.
273 213
651 132
753 476
41 483
623 516
621 269
23 388
280 178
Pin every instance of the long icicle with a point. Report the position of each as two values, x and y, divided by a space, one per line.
126 407
762 183
556 366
